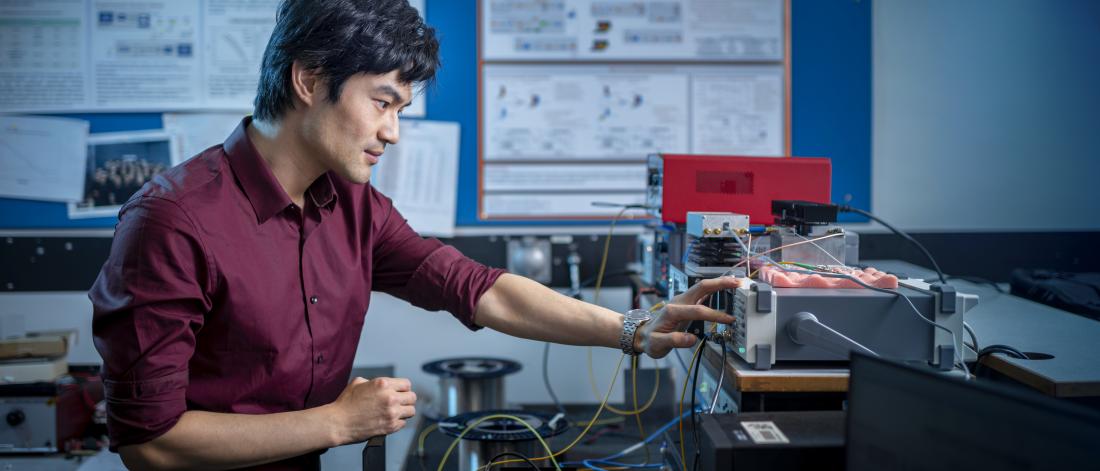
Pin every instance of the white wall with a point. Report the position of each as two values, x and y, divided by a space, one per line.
986 114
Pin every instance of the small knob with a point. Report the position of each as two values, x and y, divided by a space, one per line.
16 417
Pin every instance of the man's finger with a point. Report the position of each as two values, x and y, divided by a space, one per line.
697 312
400 384
704 288
407 398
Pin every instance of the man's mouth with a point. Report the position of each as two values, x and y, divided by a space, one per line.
372 156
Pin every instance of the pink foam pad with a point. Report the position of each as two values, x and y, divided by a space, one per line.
781 279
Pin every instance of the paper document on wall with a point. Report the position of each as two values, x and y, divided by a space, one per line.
601 30
524 177
42 55
583 112
556 205
196 132
235 34
117 166
42 158
128 55
143 54
420 174
738 112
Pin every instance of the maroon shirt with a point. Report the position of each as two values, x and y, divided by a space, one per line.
222 295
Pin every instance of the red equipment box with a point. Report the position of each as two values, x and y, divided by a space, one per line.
679 183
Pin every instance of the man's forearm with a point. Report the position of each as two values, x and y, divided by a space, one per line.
208 440
521 307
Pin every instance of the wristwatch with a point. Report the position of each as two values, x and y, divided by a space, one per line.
631 321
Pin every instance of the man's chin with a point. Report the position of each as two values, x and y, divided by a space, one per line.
359 176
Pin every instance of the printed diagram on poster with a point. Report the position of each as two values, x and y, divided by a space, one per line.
603 30
123 56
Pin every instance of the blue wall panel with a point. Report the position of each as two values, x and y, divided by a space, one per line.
831 95
831 92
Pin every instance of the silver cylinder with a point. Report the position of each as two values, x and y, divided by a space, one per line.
470 384
484 441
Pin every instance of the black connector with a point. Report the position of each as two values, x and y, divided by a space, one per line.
802 215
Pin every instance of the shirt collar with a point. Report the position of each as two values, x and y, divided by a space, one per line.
323 192
260 186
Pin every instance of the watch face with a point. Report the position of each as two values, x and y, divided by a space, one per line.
638 315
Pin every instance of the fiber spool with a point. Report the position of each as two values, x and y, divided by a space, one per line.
494 436
470 384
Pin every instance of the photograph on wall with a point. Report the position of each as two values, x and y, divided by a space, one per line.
118 165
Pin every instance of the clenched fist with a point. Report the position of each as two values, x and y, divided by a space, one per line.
368 408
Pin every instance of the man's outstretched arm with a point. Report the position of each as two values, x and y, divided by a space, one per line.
523 308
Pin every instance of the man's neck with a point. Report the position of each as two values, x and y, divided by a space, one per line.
286 156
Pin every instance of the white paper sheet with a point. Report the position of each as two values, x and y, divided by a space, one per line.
43 55
554 205
136 55
235 34
420 174
195 132
118 164
143 54
583 112
546 124
42 158
563 177
738 112
599 30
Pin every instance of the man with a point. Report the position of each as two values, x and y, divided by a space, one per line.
230 309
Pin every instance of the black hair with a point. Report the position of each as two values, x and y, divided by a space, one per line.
341 38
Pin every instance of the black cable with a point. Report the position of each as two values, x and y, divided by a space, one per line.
900 233
513 455
1000 348
694 420
546 378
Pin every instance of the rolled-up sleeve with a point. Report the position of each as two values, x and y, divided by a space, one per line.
148 306
423 271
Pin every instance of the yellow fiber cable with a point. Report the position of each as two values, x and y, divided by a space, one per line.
497 416
583 432
423 436
683 393
648 403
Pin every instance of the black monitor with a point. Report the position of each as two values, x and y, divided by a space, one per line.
902 417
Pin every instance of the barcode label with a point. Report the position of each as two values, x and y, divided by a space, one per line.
764 432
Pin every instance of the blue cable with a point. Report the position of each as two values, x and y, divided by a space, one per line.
588 464
608 460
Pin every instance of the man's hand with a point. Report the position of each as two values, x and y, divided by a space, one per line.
665 331
368 408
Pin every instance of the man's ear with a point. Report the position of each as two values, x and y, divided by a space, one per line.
306 84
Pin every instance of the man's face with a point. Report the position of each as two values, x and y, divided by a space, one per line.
349 136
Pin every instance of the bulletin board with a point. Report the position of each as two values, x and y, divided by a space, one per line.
830 97
567 86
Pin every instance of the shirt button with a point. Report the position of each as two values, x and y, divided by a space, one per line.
320 359
313 299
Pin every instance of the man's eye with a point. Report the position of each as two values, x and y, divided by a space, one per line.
382 104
